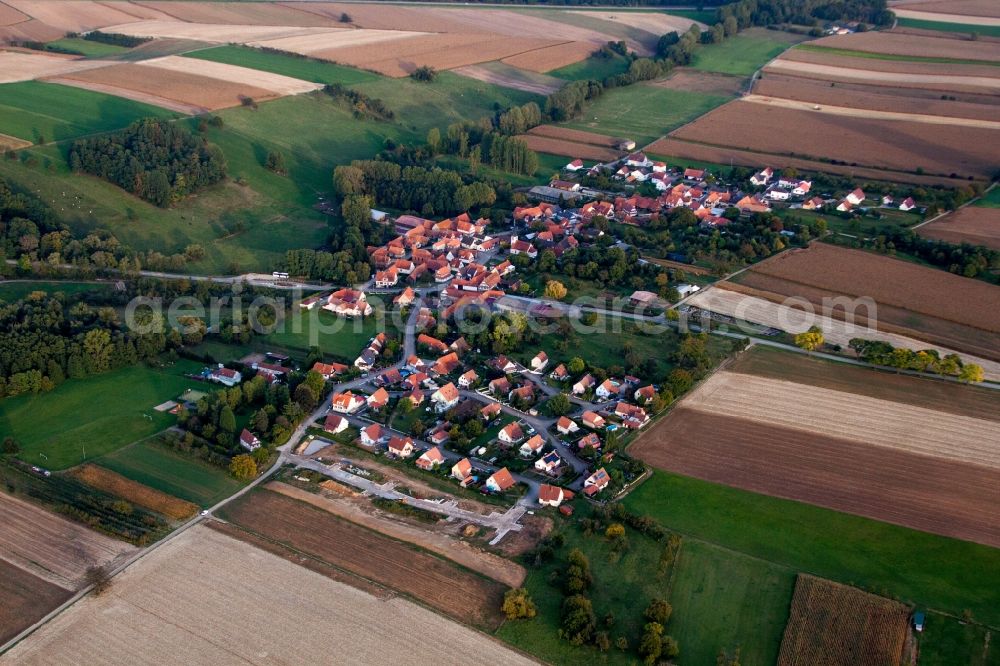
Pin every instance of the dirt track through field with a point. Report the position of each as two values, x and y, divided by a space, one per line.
52 547
206 599
486 563
828 413
868 113
991 84
953 499
835 331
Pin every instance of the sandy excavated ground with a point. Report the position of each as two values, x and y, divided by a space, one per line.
52 547
835 331
20 66
205 598
857 418
868 113
276 83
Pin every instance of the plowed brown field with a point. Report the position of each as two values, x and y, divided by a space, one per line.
953 499
836 59
671 147
965 7
73 15
150 498
256 13
972 224
26 599
432 580
551 57
190 90
861 96
832 624
988 85
890 144
52 547
572 149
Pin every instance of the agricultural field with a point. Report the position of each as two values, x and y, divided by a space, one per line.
894 44
946 8
977 225
36 111
502 74
86 418
52 547
190 601
884 458
774 130
593 68
911 299
155 465
25 66
833 624
115 484
915 567
27 598
86 47
745 53
438 583
287 65
644 112
572 143
973 25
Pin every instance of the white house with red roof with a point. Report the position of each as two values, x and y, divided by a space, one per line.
249 441
532 447
908 204
549 495
401 447
226 376
462 469
511 433
596 482
855 197
430 459
378 399
539 362
500 481
335 424
373 435
566 426
346 402
445 397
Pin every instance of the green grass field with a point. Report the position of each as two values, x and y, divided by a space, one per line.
13 291
154 464
944 26
300 68
915 567
592 68
947 641
644 112
724 600
335 336
98 414
86 47
743 54
890 56
31 109
991 199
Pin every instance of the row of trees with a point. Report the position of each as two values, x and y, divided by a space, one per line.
153 159
968 260
927 360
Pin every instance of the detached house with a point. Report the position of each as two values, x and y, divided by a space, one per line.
346 403
631 416
908 204
565 426
855 197
378 399
591 440
225 376
468 379
560 373
249 441
490 411
539 362
763 177
445 397
500 481
328 370
401 447
532 447
348 303
549 495
593 420
596 482
335 424
511 433
584 384
372 435
607 389
430 459
462 469
549 463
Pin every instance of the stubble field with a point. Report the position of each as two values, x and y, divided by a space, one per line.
52 547
438 583
833 624
206 598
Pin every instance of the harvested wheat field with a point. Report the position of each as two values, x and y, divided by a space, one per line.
375 16
436 582
233 74
218 33
50 546
972 224
909 45
399 57
849 112
493 566
255 13
316 43
655 23
671 147
963 8
26 599
205 598
889 144
551 57
170 89
832 624
529 24
862 419
987 85
572 149
21 66
8 142
861 96
75 15
835 331
511 77
144 496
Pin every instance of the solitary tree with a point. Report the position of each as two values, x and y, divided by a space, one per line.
555 290
810 340
517 604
